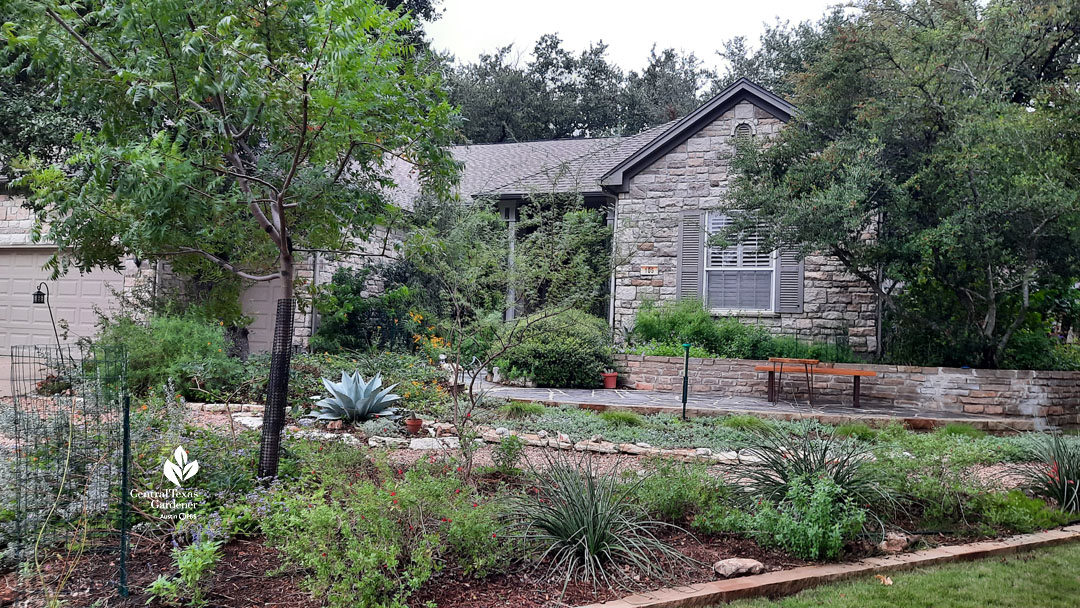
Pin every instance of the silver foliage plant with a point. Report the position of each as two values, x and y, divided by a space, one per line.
354 400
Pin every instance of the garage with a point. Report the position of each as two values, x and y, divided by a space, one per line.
74 298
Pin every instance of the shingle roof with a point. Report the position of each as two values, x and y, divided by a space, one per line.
522 168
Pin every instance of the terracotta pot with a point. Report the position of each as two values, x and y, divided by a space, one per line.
610 379
413 425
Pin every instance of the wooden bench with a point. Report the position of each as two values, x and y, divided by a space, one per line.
811 368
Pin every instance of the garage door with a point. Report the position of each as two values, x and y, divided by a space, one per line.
73 298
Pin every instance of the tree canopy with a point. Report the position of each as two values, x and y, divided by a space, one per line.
934 154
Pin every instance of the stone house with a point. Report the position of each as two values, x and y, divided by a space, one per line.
662 190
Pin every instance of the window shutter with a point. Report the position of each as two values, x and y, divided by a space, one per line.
691 255
789 282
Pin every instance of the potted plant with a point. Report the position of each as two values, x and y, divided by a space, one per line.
413 424
611 378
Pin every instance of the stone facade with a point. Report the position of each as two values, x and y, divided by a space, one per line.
1051 398
16 221
696 175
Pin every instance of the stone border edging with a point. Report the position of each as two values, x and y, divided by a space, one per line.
789 582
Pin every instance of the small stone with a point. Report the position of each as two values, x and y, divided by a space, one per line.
703 452
425 443
388 442
502 431
335 425
895 542
642 444
306 422
542 434
444 428
562 438
596 438
737 566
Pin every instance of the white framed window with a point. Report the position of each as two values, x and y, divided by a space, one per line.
740 277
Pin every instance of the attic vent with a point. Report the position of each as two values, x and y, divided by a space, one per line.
743 133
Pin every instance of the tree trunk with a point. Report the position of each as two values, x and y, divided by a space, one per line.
277 388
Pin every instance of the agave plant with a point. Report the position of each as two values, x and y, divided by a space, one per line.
354 400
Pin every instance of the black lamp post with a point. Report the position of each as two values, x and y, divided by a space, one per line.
42 297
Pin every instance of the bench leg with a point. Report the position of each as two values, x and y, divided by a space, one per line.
772 387
858 382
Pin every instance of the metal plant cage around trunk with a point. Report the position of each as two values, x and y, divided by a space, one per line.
68 431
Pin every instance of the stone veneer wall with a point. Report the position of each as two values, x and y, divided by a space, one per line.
1050 397
696 175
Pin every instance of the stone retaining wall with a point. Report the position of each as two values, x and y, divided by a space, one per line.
1051 398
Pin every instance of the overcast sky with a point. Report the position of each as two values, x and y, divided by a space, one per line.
629 27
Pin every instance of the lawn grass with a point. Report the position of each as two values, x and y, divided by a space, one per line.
1045 578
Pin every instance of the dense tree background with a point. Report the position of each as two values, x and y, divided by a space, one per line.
551 93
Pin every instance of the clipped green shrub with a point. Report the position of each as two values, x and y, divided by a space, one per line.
682 321
856 430
507 453
677 492
745 422
1018 512
617 418
569 349
186 348
665 349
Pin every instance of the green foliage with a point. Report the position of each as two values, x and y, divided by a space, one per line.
507 453
354 400
856 430
676 492
780 460
195 563
665 327
1017 512
966 173
1055 474
186 349
520 410
224 143
352 318
813 521
374 536
745 422
586 523
564 350
617 418
664 349
961 429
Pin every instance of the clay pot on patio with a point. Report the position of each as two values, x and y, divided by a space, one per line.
611 379
414 425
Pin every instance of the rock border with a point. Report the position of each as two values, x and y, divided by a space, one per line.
790 582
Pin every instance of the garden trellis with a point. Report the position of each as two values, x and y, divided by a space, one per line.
68 432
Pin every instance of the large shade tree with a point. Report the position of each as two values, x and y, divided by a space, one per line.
234 135
933 155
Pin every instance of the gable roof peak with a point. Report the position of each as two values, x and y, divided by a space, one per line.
742 89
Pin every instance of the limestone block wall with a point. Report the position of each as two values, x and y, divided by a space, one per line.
1052 398
696 175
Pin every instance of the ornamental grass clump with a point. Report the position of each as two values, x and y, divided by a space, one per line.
588 524
1055 472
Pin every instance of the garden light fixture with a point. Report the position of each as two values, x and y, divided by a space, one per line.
42 297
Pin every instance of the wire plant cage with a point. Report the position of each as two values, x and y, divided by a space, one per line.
69 433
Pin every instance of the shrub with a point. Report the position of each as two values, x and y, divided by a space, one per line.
1055 475
779 459
813 521
587 523
565 350
959 429
352 318
1017 512
187 349
666 349
507 453
677 322
194 563
618 418
520 410
676 491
